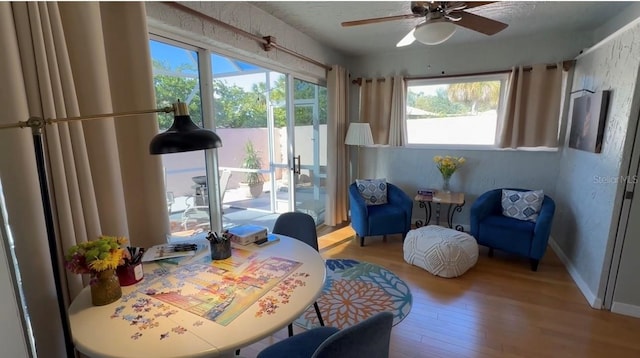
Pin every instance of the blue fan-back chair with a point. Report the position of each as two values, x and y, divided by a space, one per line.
302 227
391 218
369 338
496 231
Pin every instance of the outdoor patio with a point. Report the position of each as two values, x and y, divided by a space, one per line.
238 209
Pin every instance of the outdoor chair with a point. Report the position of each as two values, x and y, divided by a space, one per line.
197 216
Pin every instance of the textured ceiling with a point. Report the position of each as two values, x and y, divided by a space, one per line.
321 20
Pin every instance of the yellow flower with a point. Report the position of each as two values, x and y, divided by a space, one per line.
111 260
97 255
447 165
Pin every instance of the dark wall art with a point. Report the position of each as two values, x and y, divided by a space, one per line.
588 120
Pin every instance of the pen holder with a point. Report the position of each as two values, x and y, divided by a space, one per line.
130 274
220 250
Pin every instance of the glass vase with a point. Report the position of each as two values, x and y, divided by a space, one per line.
105 288
445 184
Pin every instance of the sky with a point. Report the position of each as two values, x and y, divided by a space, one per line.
174 57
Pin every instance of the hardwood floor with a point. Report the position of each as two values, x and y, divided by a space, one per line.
499 308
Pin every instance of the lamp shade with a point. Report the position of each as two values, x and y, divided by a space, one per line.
359 134
434 32
184 135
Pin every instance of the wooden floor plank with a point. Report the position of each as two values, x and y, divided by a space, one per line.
499 308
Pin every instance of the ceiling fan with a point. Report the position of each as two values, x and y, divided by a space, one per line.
441 18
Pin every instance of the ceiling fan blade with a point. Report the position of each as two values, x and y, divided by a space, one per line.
407 39
480 23
379 19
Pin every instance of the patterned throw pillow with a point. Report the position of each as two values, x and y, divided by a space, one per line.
373 191
522 205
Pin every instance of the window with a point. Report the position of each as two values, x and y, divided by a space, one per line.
460 111
249 107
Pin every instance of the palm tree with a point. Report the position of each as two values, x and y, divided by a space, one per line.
484 94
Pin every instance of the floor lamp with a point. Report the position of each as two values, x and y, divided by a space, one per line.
359 134
182 136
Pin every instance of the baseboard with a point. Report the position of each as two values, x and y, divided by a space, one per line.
592 299
625 309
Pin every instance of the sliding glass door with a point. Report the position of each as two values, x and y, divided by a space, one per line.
273 130
243 97
310 148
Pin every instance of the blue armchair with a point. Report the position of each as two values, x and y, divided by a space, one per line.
525 238
391 218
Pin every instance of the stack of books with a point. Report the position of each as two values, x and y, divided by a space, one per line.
426 192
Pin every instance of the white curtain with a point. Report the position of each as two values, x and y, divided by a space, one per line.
382 105
69 59
397 120
531 115
375 107
337 152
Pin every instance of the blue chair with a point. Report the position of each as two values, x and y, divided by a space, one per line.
391 218
369 338
496 231
302 227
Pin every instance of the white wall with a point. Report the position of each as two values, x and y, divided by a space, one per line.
589 207
484 170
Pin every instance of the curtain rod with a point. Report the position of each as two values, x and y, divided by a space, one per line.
566 66
268 42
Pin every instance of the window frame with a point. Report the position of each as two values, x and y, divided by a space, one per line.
504 82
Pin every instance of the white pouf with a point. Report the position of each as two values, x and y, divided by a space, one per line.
441 251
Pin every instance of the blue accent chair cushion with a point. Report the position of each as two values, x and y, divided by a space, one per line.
522 237
394 217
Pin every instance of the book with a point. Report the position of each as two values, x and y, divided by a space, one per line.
426 191
247 234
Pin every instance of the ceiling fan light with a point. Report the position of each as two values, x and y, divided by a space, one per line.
434 32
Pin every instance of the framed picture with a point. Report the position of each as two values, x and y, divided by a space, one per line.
588 120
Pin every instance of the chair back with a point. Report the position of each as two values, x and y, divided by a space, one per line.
369 338
224 182
299 226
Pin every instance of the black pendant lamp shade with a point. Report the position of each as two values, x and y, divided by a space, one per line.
184 135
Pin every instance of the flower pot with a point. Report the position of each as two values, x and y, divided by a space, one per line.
252 190
446 188
105 288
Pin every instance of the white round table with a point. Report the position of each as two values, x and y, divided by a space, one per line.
203 309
